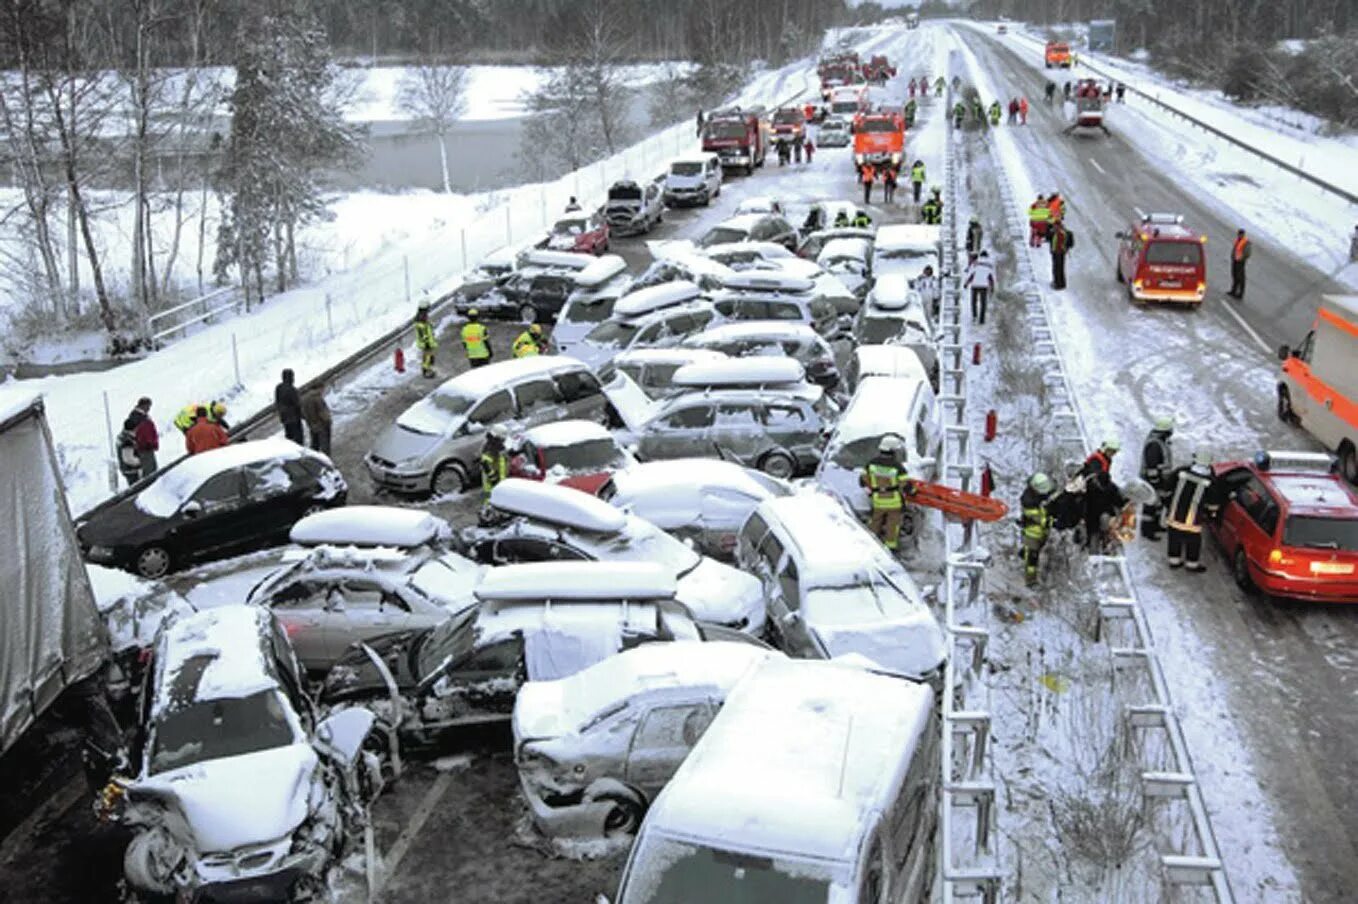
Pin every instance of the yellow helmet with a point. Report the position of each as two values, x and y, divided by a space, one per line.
218 410
535 329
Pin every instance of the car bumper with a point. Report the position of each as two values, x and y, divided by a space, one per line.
686 196
732 160
403 479
1340 589
568 815
627 227
1170 296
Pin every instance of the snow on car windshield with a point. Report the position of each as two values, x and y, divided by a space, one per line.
612 334
722 235
1321 533
582 311
644 542
675 868
591 455
452 402
214 729
686 169
877 330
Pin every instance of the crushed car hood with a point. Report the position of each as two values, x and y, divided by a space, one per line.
242 800
719 593
538 711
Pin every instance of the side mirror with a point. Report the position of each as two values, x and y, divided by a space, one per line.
192 509
472 428
1284 353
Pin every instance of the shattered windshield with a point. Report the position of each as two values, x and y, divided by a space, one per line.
216 729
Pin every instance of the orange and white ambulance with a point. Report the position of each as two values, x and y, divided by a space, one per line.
1318 386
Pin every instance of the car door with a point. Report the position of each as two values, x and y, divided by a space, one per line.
359 609
1258 522
217 518
1233 512
279 492
663 739
300 608
539 402
736 432
684 431
480 687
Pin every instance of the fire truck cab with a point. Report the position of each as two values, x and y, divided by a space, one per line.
789 123
1057 55
736 137
878 138
1161 259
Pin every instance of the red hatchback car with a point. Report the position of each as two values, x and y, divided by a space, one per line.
1290 527
577 454
583 233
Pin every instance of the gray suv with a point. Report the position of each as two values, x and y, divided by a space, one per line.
435 444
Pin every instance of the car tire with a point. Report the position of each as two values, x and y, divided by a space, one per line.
1286 413
528 314
153 562
1240 570
626 814
449 479
778 464
1117 271
1348 462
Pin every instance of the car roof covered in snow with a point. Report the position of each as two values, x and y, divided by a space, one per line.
212 655
672 354
835 548
482 380
703 157
767 281
744 222
908 236
764 249
181 480
837 737
892 292
879 405
655 298
771 330
555 260
566 433
741 371
669 493
369 525
759 204
846 247
888 361
556 504
598 581
552 708
600 270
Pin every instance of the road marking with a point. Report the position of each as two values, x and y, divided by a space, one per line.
396 853
1253 335
1097 167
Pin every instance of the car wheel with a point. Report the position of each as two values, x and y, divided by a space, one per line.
1240 570
626 814
153 562
1285 412
1117 271
1348 461
528 314
778 464
449 479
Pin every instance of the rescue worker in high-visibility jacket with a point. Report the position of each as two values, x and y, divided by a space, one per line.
917 178
1035 522
959 113
216 413
529 342
1039 215
494 460
910 110
1157 466
475 340
425 340
939 85
887 486
1197 498
995 112
1103 497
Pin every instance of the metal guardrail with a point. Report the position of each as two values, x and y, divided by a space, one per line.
1200 865
966 768
1297 171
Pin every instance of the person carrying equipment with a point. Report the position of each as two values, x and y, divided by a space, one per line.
887 487
1103 497
475 340
528 343
1157 463
425 340
494 460
1197 497
1035 522
917 178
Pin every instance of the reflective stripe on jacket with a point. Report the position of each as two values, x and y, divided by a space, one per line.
1039 213
474 338
884 486
494 468
1185 508
525 346
424 335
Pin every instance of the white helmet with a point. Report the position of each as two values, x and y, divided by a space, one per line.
890 444
499 431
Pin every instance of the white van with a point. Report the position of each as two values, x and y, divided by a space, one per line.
695 179
817 781
597 288
882 406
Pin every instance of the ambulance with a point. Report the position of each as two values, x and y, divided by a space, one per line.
1318 386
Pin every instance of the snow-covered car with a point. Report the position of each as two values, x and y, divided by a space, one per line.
493 271
652 368
894 314
695 179
211 505
594 749
815 241
907 248
654 317
239 794
536 522
759 204
773 295
597 289
335 597
535 291
834 589
677 261
780 432
904 408
783 374
884 361
581 455
634 208
741 256
697 499
580 232
772 337
751 227
435 445
851 261
834 132
535 622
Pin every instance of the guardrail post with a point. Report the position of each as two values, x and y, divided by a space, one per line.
235 361
464 251
509 232
329 318
112 447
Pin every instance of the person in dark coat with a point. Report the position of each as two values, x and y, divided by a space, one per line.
1060 240
1103 497
974 234
1157 464
1197 499
288 405
1240 252
316 413
138 443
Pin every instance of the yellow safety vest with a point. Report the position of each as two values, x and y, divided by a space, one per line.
525 346
474 338
1039 214
884 487
424 335
917 174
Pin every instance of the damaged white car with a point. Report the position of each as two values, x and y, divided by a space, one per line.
239 794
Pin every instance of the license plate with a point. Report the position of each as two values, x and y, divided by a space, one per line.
1170 284
1332 568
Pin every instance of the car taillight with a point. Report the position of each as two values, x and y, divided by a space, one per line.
1276 557
1136 284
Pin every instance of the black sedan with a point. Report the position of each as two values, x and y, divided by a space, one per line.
212 505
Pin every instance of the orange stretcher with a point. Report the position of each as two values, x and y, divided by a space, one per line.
958 504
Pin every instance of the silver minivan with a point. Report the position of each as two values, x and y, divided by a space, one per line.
695 179
435 443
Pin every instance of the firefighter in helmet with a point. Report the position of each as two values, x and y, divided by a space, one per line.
425 340
1035 522
494 460
529 342
1197 498
475 340
887 484
1157 466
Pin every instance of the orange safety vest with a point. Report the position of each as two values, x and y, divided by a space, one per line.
1103 460
1057 206
868 173
1238 251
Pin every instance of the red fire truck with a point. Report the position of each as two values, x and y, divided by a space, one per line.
736 137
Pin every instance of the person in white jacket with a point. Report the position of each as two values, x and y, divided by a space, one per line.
980 278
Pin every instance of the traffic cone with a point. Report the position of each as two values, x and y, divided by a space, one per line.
400 360
987 480
992 424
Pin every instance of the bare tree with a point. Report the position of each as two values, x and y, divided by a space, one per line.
434 95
